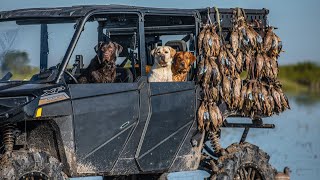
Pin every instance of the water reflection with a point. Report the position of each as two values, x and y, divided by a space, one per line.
295 142
307 99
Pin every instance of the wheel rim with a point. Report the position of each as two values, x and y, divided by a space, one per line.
34 176
249 172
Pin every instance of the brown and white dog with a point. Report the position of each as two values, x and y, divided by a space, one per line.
102 68
182 62
161 69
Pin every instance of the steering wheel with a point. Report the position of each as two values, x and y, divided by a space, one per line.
71 76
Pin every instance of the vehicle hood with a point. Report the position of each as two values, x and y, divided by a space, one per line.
22 88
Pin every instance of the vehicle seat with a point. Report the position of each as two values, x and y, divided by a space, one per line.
124 75
178 45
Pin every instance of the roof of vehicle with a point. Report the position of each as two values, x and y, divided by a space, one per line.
79 11
82 10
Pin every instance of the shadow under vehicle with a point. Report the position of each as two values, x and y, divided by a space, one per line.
53 127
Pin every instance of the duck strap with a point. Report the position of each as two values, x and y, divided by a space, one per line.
209 18
218 21
241 13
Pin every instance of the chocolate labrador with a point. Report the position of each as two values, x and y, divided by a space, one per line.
102 68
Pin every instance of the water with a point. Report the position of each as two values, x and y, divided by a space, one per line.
295 142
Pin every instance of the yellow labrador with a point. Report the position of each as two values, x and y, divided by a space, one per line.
161 69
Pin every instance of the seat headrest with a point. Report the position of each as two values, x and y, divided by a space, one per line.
178 45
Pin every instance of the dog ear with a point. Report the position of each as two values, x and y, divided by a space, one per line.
192 58
175 57
98 46
152 52
98 51
119 48
172 52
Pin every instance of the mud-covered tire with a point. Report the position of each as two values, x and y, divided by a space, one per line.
22 164
241 157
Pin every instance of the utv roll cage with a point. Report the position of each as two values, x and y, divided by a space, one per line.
176 21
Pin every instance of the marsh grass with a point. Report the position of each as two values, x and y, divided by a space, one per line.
300 78
303 73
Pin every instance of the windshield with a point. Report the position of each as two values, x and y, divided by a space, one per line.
24 47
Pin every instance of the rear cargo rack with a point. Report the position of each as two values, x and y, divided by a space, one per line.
256 123
226 16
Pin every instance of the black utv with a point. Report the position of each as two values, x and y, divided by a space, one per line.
52 127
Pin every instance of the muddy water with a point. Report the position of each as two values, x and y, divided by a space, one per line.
295 142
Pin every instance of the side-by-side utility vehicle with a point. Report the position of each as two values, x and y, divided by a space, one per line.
53 127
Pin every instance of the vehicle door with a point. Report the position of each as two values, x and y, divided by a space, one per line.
172 113
104 114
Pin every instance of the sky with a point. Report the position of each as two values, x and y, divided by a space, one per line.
298 21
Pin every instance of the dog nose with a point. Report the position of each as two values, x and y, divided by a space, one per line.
162 56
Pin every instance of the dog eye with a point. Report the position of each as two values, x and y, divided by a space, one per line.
166 52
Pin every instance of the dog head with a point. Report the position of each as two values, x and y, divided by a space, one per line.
108 51
182 61
163 55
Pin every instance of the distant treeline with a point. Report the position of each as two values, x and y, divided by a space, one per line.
304 76
17 62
